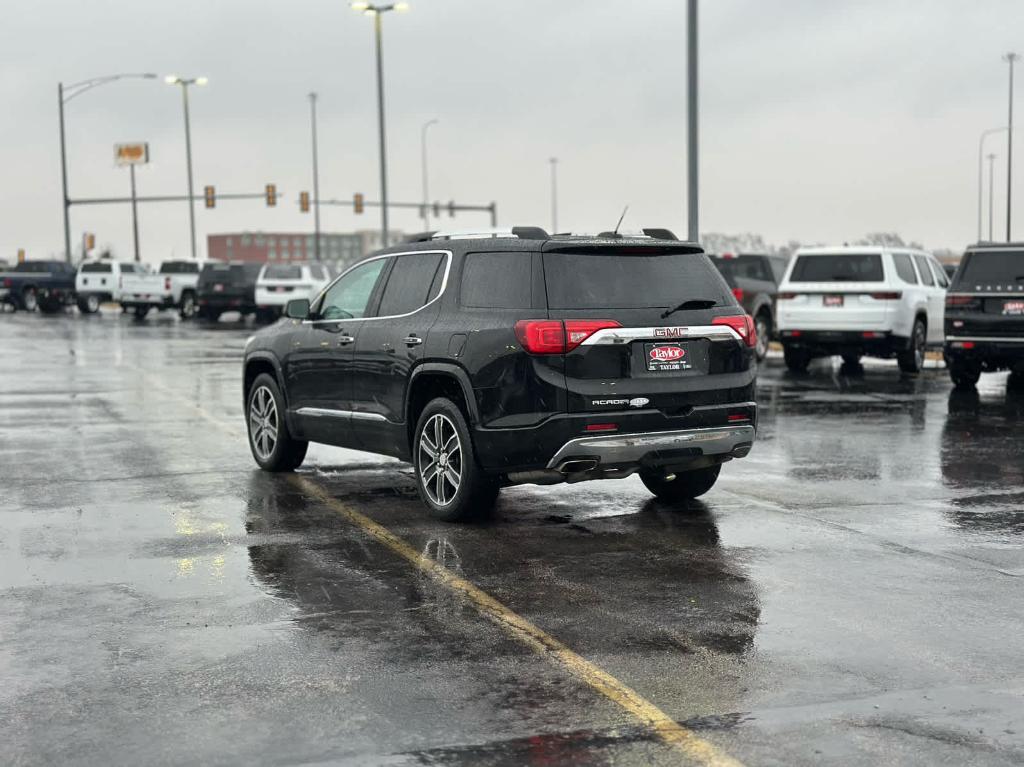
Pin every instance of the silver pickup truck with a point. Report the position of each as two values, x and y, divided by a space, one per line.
173 286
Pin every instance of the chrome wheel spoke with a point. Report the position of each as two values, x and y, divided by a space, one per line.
439 456
453 477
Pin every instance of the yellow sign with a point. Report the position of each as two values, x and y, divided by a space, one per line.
131 154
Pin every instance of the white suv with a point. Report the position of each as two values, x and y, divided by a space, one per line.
861 301
277 284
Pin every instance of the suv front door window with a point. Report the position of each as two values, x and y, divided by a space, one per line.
349 297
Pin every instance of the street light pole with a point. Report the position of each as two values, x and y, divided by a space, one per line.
316 180
64 95
185 83
981 160
692 157
554 194
423 158
135 214
370 9
1010 58
991 189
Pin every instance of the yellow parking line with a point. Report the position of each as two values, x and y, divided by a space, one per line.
696 748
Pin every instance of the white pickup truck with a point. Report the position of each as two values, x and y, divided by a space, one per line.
172 287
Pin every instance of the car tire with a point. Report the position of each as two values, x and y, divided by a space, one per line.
209 315
912 360
140 312
29 300
851 360
763 329
187 305
963 375
89 304
50 305
797 360
686 486
450 482
270 442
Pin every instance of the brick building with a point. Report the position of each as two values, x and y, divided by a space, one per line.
338 249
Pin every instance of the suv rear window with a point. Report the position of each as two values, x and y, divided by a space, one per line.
238 274
96 268
750 267
988 267
848 267
283 272
497 280
610 279
179 267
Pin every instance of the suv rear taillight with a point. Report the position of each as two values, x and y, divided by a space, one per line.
556 336
167 283
892 295
742 324
786 296
963 302
738 294
8 282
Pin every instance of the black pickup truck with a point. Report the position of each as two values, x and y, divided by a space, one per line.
754 280
46 285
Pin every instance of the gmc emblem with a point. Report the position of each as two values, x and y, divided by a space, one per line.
669 332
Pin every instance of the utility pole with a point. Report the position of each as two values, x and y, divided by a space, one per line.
64 175
554 194
1011 58
316 180
423 161
692 156
991 189
378 34
135 215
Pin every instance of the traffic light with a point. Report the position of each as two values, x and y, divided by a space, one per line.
437 210
304 202
271 195
21 255
357 202
90 241
211 196
451 208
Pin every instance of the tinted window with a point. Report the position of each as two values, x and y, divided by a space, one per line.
904 269
128 268
283 272
32 266
940 275
236 274
349 296
926 273
179 267
409 284
725 269
316 271
992 267
96 268
750 267
610 279
849 267
497 280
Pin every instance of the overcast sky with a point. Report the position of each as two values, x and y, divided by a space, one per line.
820 121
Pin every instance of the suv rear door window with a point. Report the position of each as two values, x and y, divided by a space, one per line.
993 267
629 280
904 268
926 273
846 267
497 280
409 284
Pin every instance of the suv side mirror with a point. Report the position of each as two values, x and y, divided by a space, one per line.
297 309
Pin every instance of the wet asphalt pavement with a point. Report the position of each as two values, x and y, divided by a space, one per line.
849 594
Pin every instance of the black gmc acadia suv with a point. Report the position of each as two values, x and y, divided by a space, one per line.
519 358
985 314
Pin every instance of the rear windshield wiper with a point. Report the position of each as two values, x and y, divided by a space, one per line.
693 303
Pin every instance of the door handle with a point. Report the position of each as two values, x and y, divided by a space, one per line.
345 340
412 340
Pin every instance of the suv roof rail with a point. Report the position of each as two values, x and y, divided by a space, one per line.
994 244
660 234
522 232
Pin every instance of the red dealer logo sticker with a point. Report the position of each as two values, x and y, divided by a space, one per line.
667 353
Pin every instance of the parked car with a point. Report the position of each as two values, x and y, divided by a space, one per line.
950 270
277 284
227 287
861 301
102 280
46 285
523 358
985 314
174 286
754 280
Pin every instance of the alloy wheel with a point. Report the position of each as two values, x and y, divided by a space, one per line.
439 459
761 328
92 303
263 423
188 306
919 345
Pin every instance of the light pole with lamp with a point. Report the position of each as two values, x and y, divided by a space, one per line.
185 83
423 159
372 9
64 94
981 161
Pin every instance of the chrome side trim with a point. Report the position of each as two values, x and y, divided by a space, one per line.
444 286
626 448
660 334
320 412
987 339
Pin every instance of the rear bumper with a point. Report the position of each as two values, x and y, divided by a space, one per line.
872 343
146 299
989 353
226 303
655 449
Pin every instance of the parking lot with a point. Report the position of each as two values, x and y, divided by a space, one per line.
850 593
